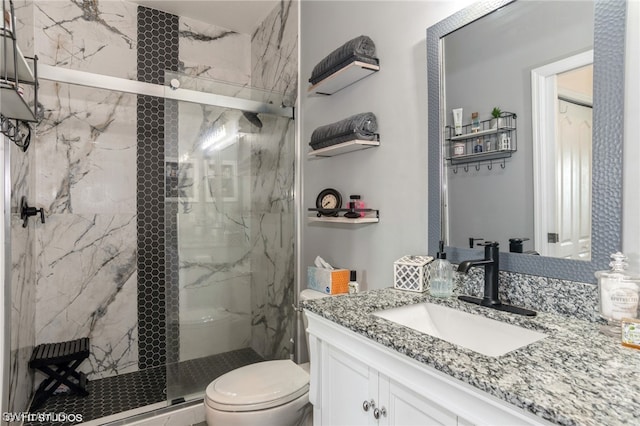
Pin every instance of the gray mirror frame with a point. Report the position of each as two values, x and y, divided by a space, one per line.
608 69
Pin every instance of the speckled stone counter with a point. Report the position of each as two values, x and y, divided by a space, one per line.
575 376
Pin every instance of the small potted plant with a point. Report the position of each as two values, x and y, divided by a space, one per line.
496 122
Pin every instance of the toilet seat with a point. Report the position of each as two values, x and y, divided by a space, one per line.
258 386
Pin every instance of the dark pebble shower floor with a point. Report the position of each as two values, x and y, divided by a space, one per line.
124 392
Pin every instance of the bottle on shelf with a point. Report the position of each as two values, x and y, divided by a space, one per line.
355 203
475 122
478 146
458 149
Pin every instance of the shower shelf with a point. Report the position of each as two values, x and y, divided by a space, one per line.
344 77
343 148
23 70
14 72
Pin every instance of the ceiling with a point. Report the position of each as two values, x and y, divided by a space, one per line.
242 16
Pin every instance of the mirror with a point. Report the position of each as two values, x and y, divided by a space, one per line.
608 100
521 37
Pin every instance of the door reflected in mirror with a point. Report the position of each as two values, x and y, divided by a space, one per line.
541 194
563 133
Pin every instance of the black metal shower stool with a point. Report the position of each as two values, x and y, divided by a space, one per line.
59 362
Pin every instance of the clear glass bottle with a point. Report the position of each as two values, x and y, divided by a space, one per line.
617 294
441 277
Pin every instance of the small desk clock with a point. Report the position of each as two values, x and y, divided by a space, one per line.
328 201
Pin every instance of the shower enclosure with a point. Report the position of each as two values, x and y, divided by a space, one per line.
229 226
169 287
196 281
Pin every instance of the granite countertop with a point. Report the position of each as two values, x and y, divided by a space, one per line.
575 376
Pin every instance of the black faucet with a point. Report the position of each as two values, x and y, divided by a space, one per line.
491 263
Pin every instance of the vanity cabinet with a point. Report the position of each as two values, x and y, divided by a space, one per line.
356 394
350 373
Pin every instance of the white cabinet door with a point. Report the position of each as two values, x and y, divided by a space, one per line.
403 407
346 385
348 369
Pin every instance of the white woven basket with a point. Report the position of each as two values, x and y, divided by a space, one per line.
411 273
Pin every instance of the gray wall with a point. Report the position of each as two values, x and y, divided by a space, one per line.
393 177
503 48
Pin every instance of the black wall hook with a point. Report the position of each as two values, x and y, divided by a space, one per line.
26 212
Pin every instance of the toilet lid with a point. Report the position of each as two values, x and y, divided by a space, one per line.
258 386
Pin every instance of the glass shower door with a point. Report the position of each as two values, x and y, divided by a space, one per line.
229 236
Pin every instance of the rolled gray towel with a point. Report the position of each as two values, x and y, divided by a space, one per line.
360 126
360 48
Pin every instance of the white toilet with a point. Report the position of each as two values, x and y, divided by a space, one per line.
269 393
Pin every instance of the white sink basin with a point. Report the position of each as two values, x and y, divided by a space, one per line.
477 333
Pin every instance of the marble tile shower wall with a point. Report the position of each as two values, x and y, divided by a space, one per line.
85 178
274 48
274 54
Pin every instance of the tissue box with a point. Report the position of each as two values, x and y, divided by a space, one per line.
412 273
328 281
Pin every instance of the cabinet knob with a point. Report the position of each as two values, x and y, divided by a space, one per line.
378 412
368 404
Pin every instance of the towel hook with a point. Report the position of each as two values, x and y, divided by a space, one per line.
466 167
503 165
455 169
478 167
490 165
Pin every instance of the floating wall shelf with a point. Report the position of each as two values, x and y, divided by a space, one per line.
342 148
344 77
371 216
344 220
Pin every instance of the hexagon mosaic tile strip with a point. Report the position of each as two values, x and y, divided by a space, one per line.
157 52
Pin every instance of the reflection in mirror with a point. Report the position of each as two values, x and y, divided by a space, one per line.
562 137
496 71
488 64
